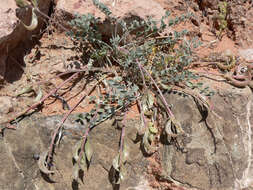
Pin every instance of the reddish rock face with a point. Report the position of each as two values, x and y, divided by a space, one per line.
214 153
8 20
120 9
12 32
8 17
247 54
123 9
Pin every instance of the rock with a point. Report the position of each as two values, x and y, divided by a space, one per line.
5 105
212 4
33 137
13 33
215 153
8 18
196 21
240 22
10 177
123 9
247 54
239 19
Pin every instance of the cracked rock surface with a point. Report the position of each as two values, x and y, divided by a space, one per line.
14 38
215 153
19 168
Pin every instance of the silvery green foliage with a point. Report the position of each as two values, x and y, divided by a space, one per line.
130 45
167 63
121 96
138 41
164 57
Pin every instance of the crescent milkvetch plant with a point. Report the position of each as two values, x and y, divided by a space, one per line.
144 65
34 21
135 64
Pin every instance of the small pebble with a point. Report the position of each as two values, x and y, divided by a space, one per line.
5 105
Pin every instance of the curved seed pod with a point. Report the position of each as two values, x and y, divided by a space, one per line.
34 22
150 99
39 95
149 149
116 163
25 90
42 163
125 152
88 150
83 162
75 172
76 149
152 128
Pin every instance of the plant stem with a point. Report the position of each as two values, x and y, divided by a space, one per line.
84 137
50 154
142 117
122 139
158 89
41 101
44 15
143 78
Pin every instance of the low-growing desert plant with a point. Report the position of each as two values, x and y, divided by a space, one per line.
134 63
144 65
221 18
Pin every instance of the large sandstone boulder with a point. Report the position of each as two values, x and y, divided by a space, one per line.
119 9
19 167
123 9
215 153
13 34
